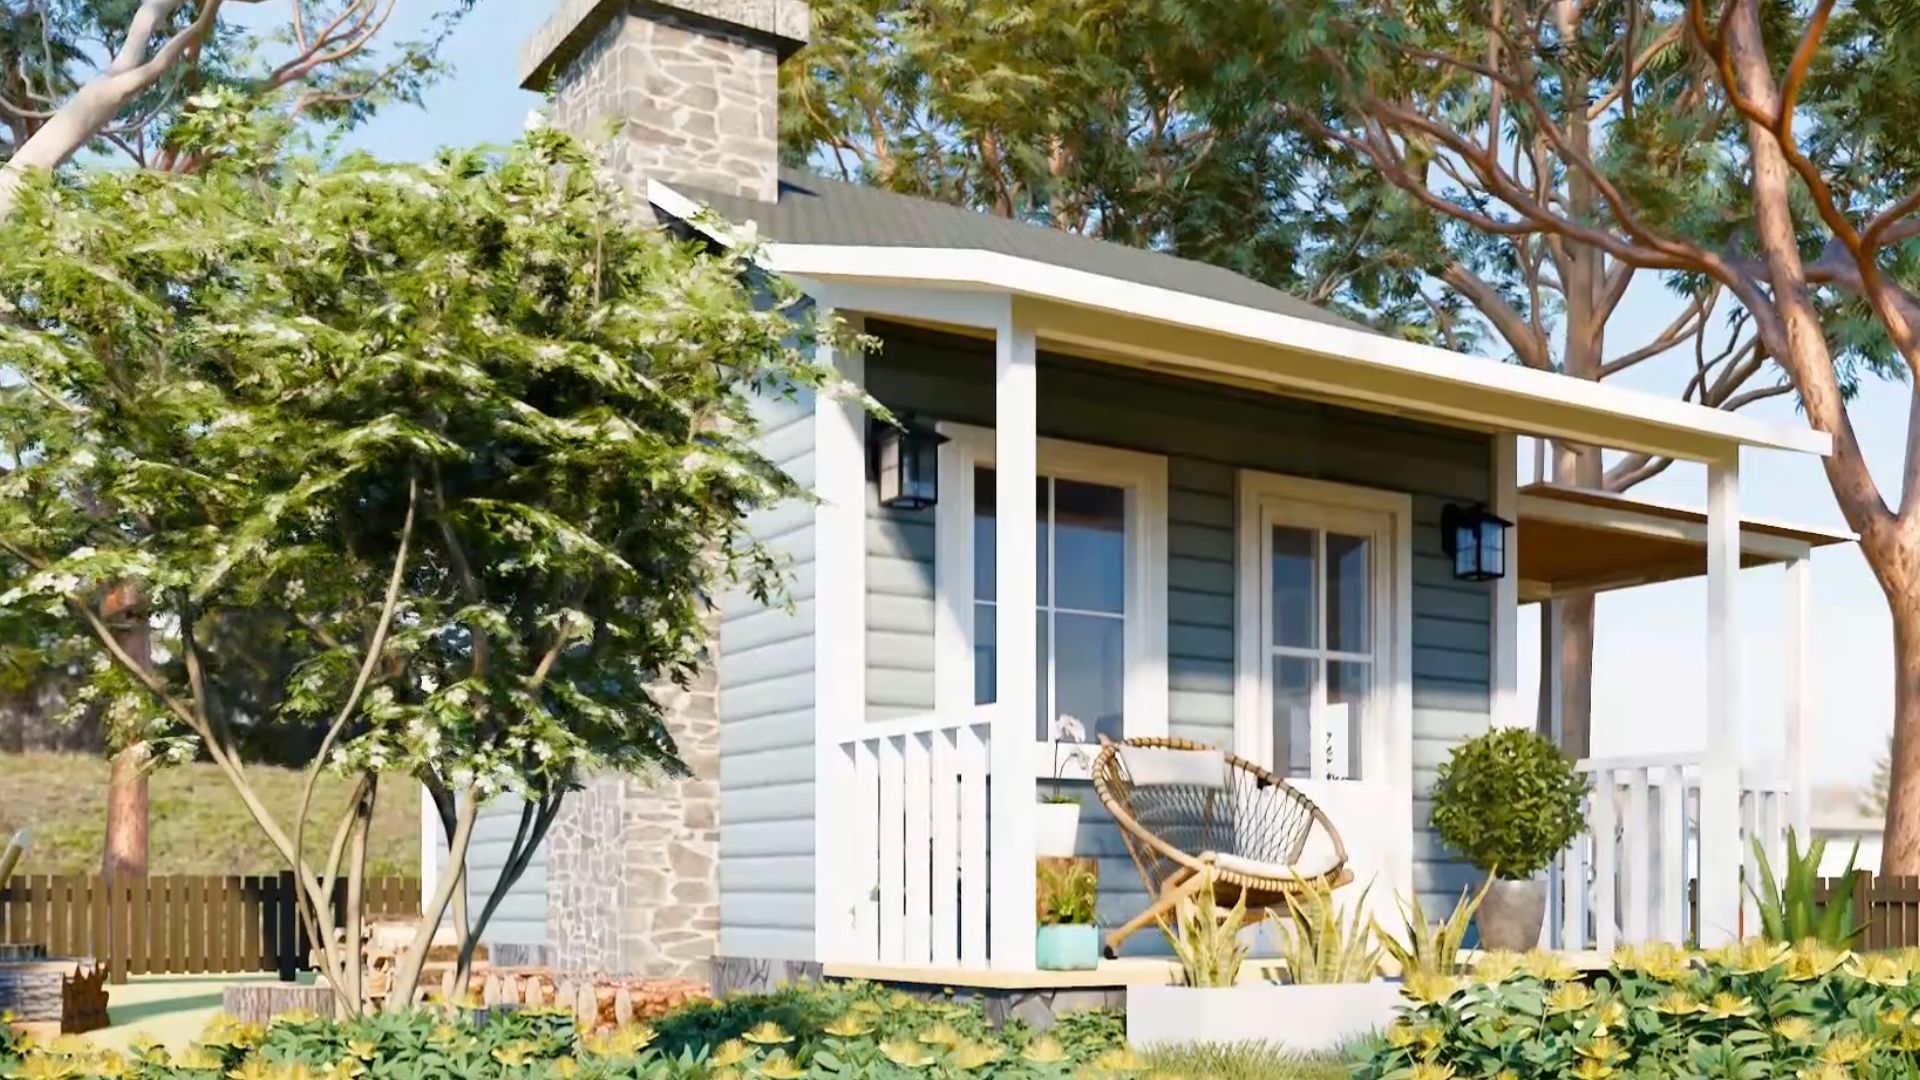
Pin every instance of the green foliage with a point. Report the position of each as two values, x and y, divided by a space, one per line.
1788 909
1069 891
1432 948
1206 942
1754 1011
1509 801
857 1032
1318 944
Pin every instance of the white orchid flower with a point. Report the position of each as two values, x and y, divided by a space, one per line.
1068 728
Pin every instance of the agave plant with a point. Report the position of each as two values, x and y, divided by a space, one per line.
1207 943
1432 948
1320 946
1789 910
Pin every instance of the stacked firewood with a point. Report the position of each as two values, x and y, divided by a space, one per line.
598 1002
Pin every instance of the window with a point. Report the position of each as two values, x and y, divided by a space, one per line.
1080 603
1100 575
1322 623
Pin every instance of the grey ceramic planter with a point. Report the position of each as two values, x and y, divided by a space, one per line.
1511 915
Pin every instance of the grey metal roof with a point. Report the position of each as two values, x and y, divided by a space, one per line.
818 210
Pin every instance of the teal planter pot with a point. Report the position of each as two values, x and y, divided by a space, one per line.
1067 948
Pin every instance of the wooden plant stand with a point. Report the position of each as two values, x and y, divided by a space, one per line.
54 997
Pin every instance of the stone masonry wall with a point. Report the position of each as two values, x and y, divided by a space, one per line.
697 107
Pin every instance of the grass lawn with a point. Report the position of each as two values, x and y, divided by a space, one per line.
171 1010
196 823
1243 1061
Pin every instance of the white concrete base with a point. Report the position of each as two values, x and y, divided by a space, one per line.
1301 1019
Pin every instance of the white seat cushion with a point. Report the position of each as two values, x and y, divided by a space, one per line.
1159 766
1314 862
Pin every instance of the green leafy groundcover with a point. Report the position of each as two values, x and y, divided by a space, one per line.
855 1031
1747 1012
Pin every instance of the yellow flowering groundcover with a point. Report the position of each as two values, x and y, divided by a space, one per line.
1753 1011
852 1032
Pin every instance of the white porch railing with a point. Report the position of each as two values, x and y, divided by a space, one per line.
1632 876
917 817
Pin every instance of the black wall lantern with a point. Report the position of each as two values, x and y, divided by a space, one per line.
1475 539
906 464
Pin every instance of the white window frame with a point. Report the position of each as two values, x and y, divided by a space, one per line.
1144 479
1386 750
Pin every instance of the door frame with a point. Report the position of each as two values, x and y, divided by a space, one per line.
1390 764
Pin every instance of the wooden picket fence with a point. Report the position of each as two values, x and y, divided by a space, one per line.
178 924
1886 909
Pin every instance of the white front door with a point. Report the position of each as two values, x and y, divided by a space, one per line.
1321 696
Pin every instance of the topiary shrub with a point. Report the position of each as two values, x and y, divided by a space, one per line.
1509 801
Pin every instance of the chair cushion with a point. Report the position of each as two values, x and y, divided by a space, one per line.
1160 766
1315 861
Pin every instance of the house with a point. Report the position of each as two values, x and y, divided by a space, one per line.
1841 818
1167 500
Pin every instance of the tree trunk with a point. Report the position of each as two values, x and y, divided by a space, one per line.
1900 850
1578 466
126 854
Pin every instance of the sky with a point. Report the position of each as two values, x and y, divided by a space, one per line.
1649 674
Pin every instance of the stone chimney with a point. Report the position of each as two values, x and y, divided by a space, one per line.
632 867
695 83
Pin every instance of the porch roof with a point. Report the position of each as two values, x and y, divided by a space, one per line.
921 260
1575 540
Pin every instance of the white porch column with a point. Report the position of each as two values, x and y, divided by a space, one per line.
1507 708
1799 693
839 644
1010 840
1720 848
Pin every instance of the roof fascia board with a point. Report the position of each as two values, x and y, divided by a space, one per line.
1764 545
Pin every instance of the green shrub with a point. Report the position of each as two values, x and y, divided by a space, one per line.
1509 801
1318 945
1753 1012
1068 894
856 1032
1788 910
1242 1061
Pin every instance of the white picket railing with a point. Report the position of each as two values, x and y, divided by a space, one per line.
918 805
1630 877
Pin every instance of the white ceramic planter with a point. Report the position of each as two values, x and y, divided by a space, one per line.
1298 1019
1055 825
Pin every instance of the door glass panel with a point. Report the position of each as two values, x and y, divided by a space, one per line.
1089 675
1293 587
1292 710
1090 552
1349 685
984 635
1349 567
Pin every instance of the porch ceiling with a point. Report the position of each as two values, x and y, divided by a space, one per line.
1572 540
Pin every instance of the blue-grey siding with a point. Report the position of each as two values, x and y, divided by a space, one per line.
766 704
1207 433
521 918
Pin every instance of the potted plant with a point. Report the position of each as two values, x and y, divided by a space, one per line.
1509 801
1068 938
1057 819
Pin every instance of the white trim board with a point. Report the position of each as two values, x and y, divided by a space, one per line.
1144 478
1106 313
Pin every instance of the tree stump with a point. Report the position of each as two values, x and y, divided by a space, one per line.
54 997
260 1002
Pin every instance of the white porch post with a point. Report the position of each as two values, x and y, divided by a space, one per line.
1721 857
1507 709
840 646
1010 843
1799 693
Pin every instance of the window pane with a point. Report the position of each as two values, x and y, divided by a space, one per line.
1292 708
1293 587
1042 553
1042 703
1348 583
1348 686
1089 673
984 673
984 547
1090 556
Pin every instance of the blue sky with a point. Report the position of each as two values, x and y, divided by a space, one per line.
1650 673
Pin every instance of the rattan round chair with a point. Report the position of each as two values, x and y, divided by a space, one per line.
1249 831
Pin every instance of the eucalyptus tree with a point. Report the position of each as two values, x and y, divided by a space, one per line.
1761 151
469 439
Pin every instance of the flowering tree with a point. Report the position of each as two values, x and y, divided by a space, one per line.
461 442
